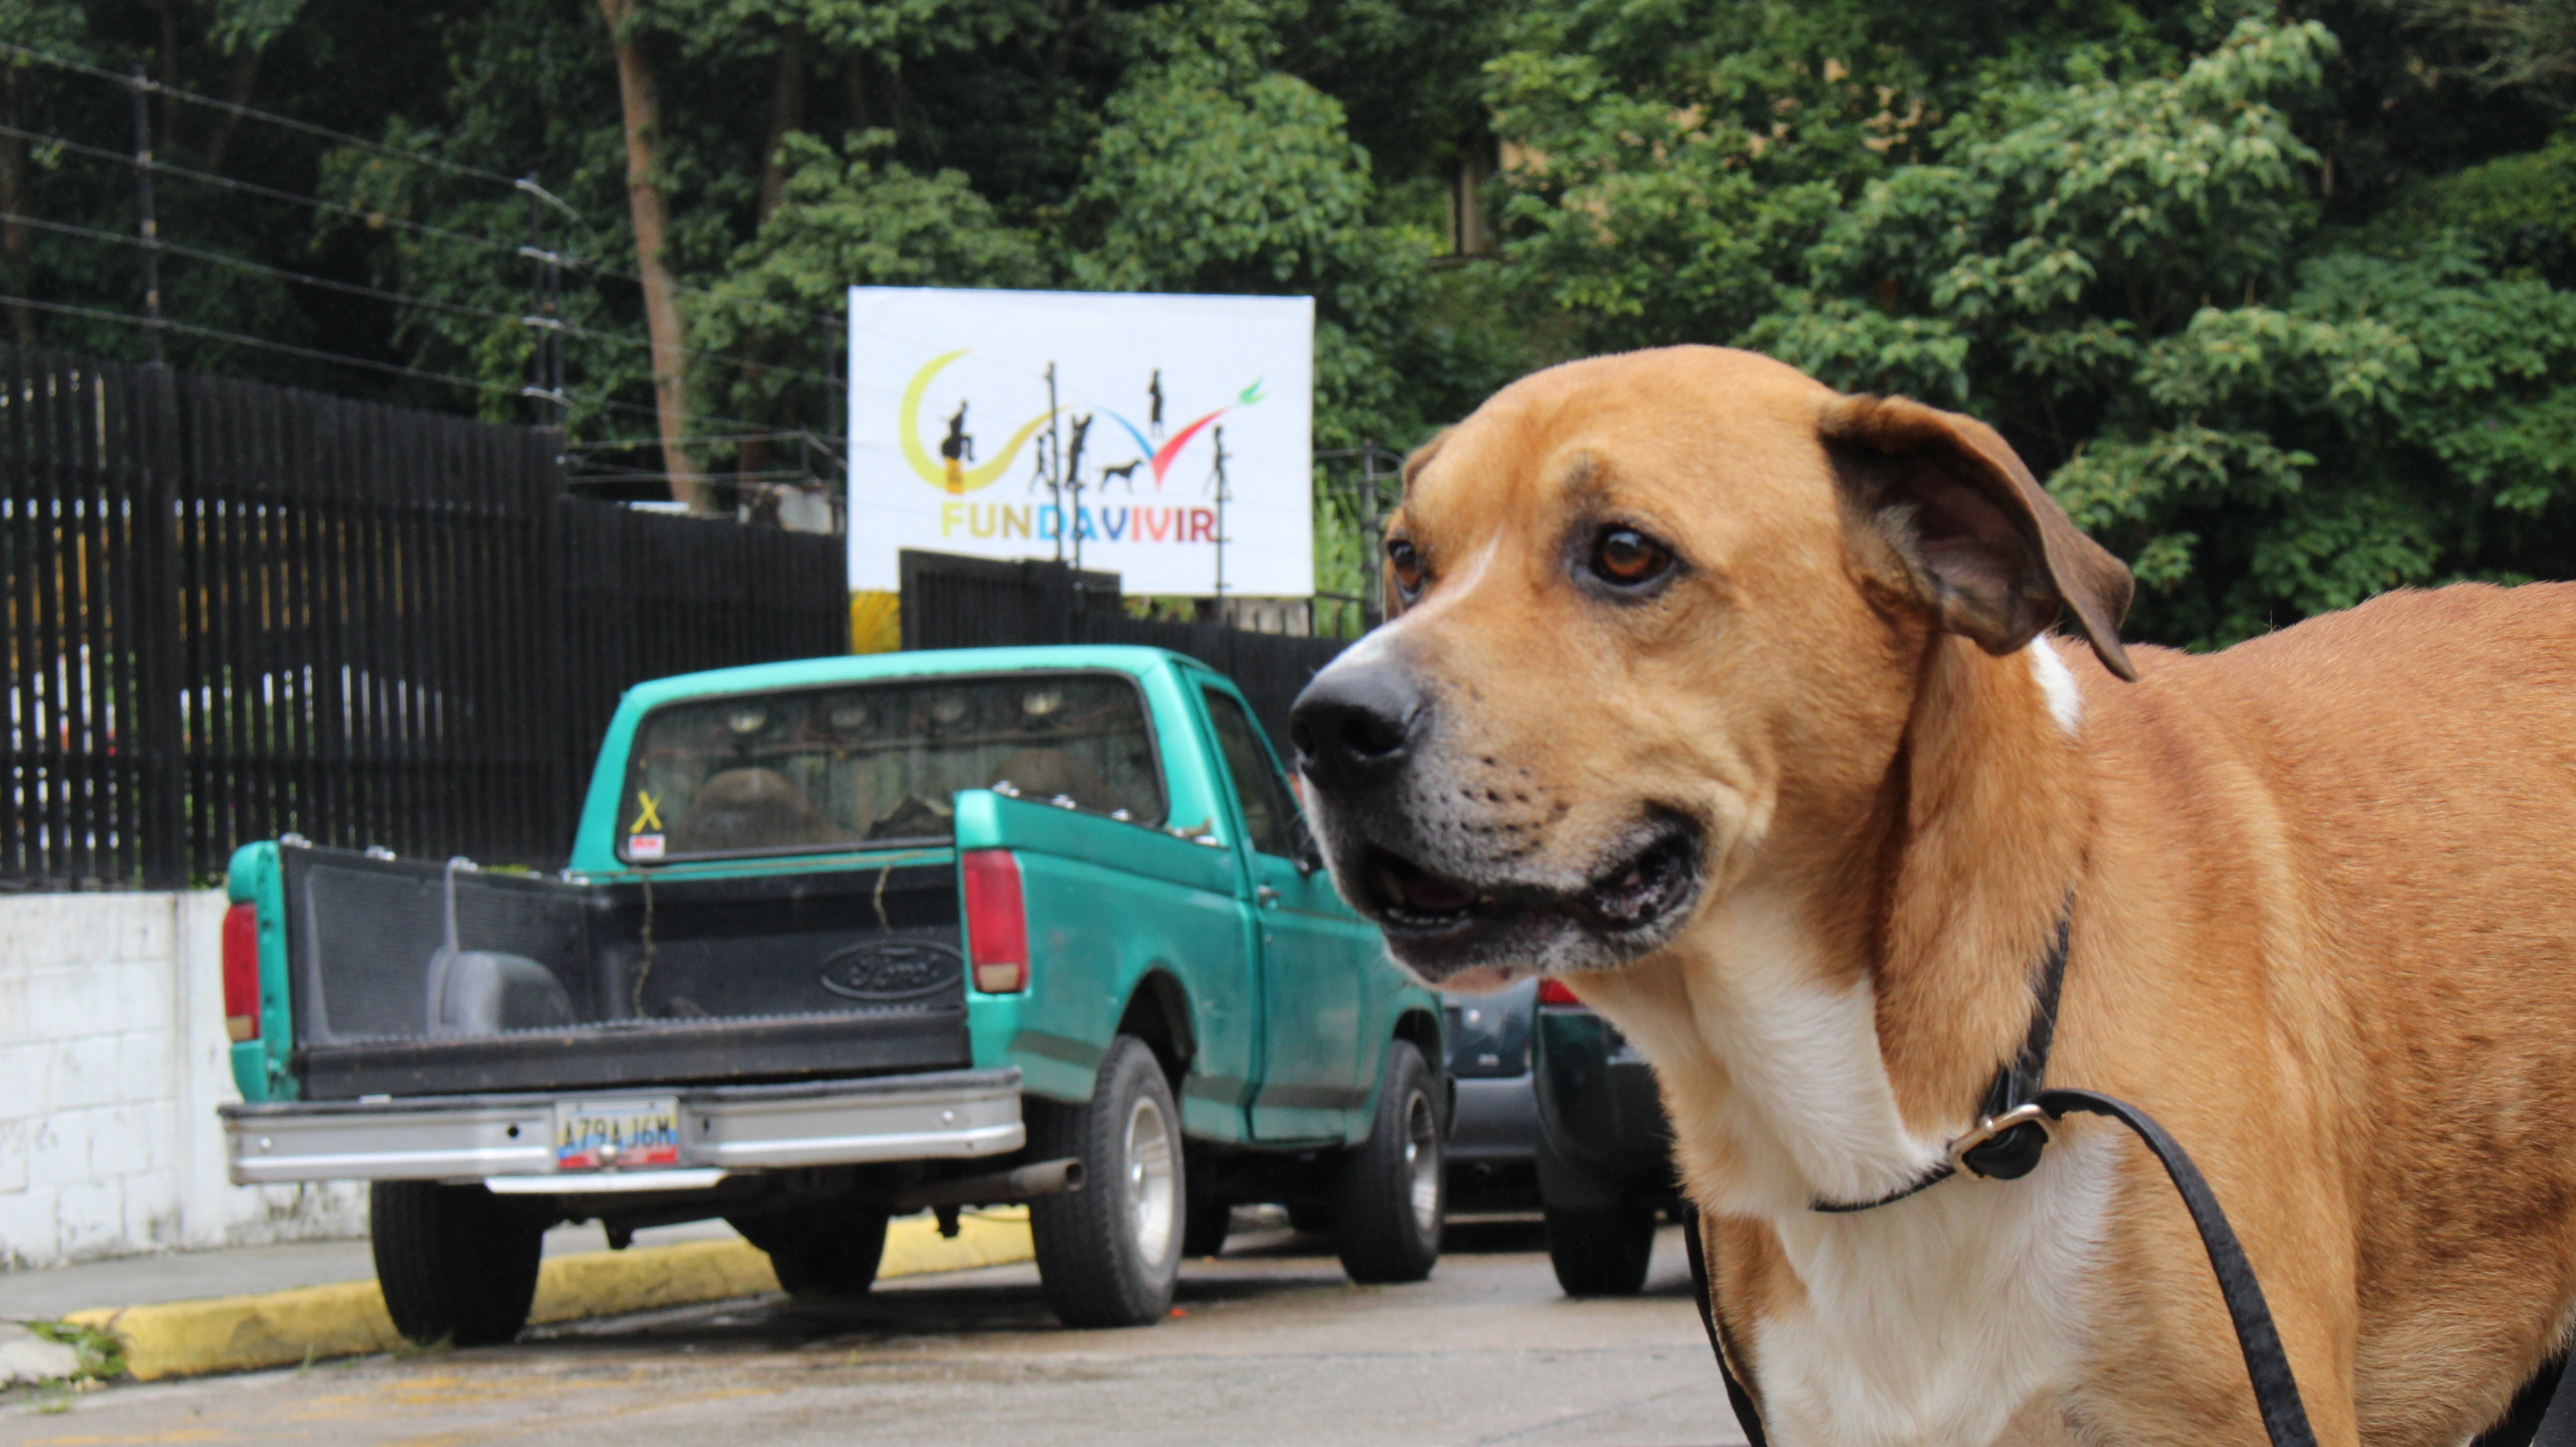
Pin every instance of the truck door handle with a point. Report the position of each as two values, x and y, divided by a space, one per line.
1266 897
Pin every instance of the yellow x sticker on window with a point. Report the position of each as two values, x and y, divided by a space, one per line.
647 818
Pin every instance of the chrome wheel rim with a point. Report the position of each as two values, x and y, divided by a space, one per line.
1422 1161
1153 1180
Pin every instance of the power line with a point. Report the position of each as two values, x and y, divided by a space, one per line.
419 158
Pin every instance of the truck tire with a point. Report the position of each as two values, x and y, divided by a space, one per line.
1389 1204
821 1250
1602 1253
457 1263
1110 1253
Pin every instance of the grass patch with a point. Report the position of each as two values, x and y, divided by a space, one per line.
101 1354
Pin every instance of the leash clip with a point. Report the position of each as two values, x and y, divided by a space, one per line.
1986 1130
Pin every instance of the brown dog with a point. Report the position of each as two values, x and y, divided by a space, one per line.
1727 696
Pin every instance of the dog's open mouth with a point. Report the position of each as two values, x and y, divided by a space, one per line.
1631 896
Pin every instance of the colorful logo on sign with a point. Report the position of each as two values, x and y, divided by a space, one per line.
953 469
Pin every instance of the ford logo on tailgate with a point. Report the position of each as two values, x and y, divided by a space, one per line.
891 969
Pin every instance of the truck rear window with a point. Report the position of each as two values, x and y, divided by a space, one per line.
814 769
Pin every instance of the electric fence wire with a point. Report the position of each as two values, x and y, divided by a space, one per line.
376 219
419 158
218 334
520 183
573 329
393 368
369 217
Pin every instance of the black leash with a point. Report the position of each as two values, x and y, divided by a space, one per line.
2013 1129
2276 1393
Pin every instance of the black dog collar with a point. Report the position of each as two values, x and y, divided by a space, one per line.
2011 1130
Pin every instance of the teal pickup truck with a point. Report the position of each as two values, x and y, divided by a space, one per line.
846 939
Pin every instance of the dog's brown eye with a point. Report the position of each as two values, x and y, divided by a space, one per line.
1628 557
1407 566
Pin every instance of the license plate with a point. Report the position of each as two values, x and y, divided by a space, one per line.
598 1135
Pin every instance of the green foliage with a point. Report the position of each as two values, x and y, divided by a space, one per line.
2133 266
2279 301
846 218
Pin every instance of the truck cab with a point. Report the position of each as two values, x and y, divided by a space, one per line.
843 939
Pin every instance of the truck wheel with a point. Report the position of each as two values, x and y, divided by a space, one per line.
457 1263
822 1250
1110 1253
1392 1196
1602 1253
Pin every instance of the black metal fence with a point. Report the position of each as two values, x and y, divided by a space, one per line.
232 611
953 602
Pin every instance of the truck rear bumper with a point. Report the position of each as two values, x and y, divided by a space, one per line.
942 1115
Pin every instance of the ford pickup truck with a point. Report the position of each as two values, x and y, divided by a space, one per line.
839 940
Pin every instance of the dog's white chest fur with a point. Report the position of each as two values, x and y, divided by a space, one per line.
1940 1320
1950 1319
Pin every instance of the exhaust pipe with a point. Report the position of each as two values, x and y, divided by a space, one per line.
1000 1188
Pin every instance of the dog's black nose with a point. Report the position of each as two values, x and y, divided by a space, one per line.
1356 721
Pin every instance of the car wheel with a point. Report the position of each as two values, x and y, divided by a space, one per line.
457 1263
1310 1217
1393 1192
822 1250
1110 1253
1602 1253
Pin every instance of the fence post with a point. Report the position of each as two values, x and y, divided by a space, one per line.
161 642
149 226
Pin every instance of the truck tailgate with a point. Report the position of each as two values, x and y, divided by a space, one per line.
413 978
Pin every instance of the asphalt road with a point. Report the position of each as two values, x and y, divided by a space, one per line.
1269 1344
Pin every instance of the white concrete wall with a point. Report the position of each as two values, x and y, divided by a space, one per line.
112 1061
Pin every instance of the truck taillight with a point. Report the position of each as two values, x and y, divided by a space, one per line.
241 972
997 922
1552 991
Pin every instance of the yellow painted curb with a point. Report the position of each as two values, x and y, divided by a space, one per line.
347 1318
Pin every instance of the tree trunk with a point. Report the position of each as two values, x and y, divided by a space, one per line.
643 117
239 79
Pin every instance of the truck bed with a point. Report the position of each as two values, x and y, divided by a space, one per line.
557 984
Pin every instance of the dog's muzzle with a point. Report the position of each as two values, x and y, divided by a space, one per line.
1449 877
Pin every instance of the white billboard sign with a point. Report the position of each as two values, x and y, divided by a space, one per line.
1172 448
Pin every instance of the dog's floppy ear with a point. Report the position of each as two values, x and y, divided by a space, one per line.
1991 553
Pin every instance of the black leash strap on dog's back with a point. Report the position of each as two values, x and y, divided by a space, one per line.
2276 1392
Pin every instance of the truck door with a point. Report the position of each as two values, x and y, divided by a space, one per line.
1314 953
